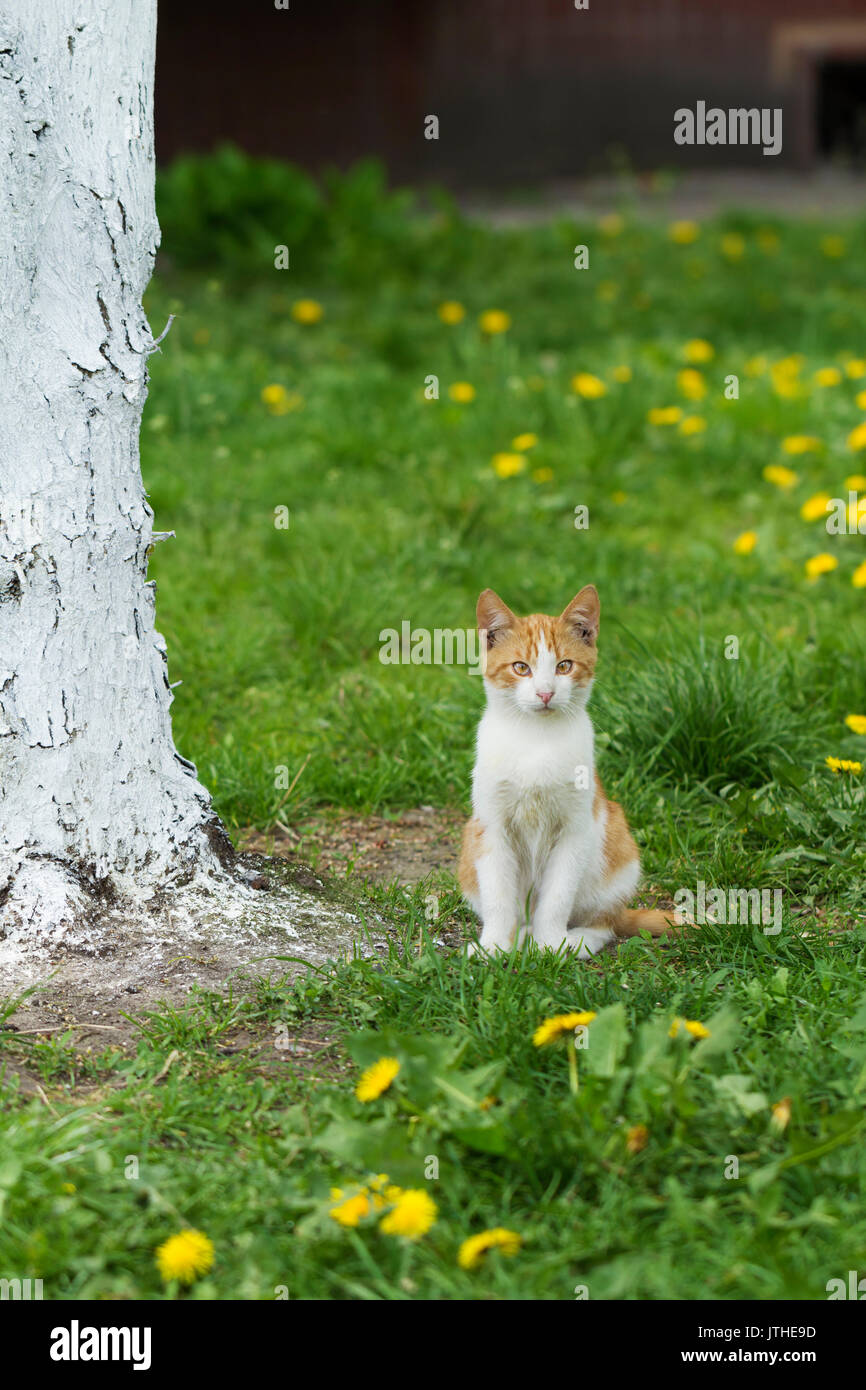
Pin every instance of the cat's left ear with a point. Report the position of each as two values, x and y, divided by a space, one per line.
582 615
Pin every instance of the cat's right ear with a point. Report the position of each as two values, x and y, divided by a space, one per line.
493 616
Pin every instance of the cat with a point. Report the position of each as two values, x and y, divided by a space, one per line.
545 854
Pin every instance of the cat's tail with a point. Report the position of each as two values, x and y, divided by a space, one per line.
632 920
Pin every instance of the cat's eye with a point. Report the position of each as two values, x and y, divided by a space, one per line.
563 667
520 668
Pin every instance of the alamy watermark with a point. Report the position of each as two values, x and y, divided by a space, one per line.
756 907
437 647
736 126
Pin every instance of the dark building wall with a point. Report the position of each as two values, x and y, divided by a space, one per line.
522 88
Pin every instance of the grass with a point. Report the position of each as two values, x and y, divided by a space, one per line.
397 513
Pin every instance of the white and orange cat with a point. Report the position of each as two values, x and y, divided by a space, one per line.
545 854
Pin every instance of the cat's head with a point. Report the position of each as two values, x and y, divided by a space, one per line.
540 665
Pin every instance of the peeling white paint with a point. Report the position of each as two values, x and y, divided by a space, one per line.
92 790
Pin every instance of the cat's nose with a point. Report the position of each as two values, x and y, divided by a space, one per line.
545 696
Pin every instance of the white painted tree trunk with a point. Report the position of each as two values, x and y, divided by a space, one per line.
95 803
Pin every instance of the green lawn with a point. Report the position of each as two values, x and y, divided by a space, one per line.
398 512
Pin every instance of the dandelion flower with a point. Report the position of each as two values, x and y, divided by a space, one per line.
522 442
756 366
622 373
827 376
636 1138
693 424
588 386
815 507
698 350
781 1114
494 321
451 311
473 1250
274 395
542 475
780 476
664 415
553 1028
377 1078
684 232
821 564
508 465
800 444
856 723
855 367
860 400
856 482
692 1027
745 543
833 247
185 1257
843 765
352 1210
733 246
307 311
462 391
691 384
411 1216
611 224
858 578
618 497
857 437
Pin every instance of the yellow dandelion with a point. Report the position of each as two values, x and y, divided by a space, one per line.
553 1028
860 400
733 246
494 321
588 386
684 232
745 543
857 437
693 424
856 482
307 311
473 1250
855 514
377 1078
821 564
833 247
185 1257
815 507
411 1216
780 476
698 350
462 391
692 1027
522 442
506 465
781 1114
352 1210
856 723
611 224
691 384
618 497
855 367
664 415
800 444
636 1138
542 475
756 366
274 395
622 373
451 311
827 376
858 578
843 765
69 1188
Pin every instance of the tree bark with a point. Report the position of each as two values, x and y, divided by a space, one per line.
94 798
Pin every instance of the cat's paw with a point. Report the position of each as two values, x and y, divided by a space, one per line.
588 941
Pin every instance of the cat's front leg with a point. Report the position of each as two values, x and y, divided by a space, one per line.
500 901
559 886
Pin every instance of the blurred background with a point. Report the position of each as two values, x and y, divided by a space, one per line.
524 89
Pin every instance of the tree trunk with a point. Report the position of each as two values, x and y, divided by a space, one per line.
94 799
